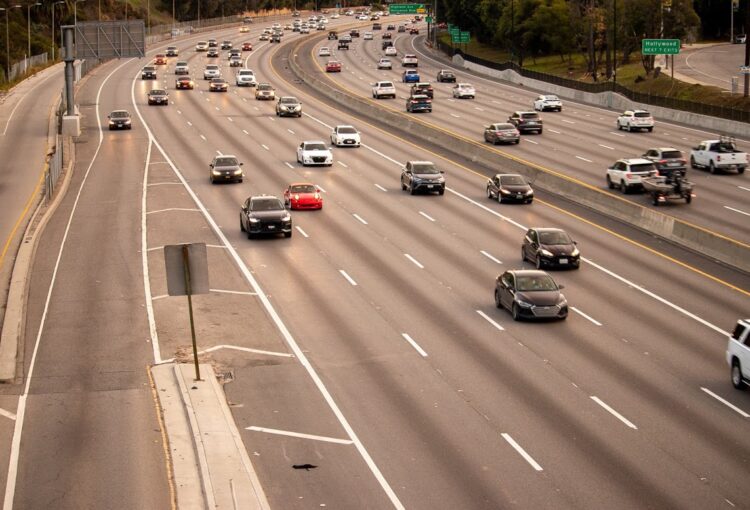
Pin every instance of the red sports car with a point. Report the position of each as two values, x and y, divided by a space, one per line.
303 195
247 46
160 60
333 66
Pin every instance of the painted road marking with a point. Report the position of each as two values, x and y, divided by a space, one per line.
245 131
237 292
287 163
290 131
359 218
576 310
614 413
522 452
554 131
584 159
493 259
265 147
416 262
203 137
736 210
342 164
300 435
299 229
726 403
490 320
532 141
414 344
348 278
426 215
381 188
569 121
606 147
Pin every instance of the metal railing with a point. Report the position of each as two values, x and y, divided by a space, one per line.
713 110
54 168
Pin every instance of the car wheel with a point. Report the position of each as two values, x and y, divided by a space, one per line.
692 163
688 198
412 191
242 226
737 381
623 187
655 199
610 184
741 170
517 141
498 303
287 234
441 191
650 129
538 262
489 193
523 254
628 128
403 186
499 197
249 235
514 312
540 131
211 179
711 168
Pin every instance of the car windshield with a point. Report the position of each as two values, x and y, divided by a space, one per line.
289 100
266 204
315 146
226 162
119 115
671 154
247 73
386 84
303 188
182 64
347 130
157 92
642 167
212 68
550 98
529 116
447 74
531 283
424 168
554 237
218 80
641 114
512 180
149 68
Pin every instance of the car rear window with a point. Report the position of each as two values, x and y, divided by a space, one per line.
501 127
529 116
386 84
642 167
671 154
641 114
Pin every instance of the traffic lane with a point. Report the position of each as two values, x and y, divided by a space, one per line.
714 65
93 393
721 209
24 119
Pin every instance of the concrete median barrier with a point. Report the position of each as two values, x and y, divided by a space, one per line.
690 236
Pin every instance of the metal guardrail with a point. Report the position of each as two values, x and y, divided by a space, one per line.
722 112
54 168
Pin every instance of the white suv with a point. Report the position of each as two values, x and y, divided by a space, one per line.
246 78
635 119
383 89
547 102
211 71
738 354
409 60
626 174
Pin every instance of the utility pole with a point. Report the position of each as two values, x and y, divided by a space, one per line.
747 48
28 21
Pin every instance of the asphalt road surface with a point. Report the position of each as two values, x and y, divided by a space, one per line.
714 64
367 350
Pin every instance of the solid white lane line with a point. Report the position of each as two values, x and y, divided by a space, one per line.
490 320
204 138
493 259
348 278
584 159
415 261
426 215
521 451
290 131
736 210
381 188
554 131
299 229
606 146
530 141
238 292
576 310
726 403
614 413
265 147
342 164
173 209
299 435
414 344
359 218
569 121
7 414
245 131
321 189
742 187
287 163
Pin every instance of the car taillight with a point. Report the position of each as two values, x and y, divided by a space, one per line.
662 161
628 175
718 157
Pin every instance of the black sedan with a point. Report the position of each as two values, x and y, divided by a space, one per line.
225 168
217 85
265 215
530 294
509 188
547 247
158 96
148 73
184 82
119 119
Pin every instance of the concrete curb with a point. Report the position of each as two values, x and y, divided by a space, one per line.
210 463
689 236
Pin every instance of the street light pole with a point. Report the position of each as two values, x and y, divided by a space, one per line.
28 23
7 39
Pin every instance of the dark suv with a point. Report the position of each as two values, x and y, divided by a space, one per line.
422 176
423 89
225 168
354 32
418 103
667 160
148 73
265 215
526 121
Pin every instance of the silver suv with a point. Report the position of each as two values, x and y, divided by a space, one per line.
211 71
288 106
245 78
738 354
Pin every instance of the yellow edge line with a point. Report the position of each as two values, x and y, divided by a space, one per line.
164 440
6 246
573 215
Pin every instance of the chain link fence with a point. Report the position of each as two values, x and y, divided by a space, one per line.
22 67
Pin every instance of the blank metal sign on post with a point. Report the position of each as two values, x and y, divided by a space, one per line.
198 265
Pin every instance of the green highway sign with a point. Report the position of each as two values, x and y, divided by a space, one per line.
428 19
660 46
464 37
454 31
406 9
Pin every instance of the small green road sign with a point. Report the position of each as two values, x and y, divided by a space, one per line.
464 37
455 31
406 9
428 19
660 46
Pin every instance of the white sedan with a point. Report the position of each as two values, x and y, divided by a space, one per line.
385 63
390 51
314 153
346 136
544 103
324 51
464 90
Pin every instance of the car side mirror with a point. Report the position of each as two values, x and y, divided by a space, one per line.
442 171
210 165
242 164
575 242
109 116
561 287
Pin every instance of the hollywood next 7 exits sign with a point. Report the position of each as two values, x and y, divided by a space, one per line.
660 46
407 9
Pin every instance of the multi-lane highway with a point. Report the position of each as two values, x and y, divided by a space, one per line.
367 348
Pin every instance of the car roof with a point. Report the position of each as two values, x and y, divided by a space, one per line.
528 272
547 229
636 161
523 112
288 97
420 96
421 162
119 111
663 149
313 141
345 126
510 175
225 156
301 184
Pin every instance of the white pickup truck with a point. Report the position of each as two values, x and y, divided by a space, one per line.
738 354
719 154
